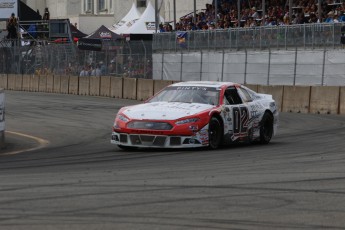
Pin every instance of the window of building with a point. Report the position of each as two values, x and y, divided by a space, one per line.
141 3
101 5
88 5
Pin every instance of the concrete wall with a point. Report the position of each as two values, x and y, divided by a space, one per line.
324 99
116 88
296 99
105 86
144 89
3 81
275 91
2 118
129 88
342 100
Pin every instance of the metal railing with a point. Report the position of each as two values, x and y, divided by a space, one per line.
132 59
308 36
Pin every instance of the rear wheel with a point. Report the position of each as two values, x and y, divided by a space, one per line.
214 133
266 128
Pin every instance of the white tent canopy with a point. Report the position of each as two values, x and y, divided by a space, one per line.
146 23
127 21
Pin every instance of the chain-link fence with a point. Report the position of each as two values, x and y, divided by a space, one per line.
132 58
263 67
311 36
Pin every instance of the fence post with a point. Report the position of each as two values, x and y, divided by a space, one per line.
295 67
201 64
145 61
181 66
222 75
323 67
245 66
162 66
269 66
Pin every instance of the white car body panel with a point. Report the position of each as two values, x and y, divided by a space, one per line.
164 110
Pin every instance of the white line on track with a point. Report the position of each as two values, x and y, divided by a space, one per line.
41 143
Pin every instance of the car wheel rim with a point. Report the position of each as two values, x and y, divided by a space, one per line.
214 135
267 130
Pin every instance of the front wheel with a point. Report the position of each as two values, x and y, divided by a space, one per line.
214 133
266 128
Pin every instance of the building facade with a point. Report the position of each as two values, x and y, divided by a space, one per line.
89 15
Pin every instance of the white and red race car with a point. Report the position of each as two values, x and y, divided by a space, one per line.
197 114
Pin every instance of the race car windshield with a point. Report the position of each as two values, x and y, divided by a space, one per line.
188 94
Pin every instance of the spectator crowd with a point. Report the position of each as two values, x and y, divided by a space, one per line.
251 14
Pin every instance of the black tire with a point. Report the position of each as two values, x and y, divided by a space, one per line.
266 128
215 133
127 148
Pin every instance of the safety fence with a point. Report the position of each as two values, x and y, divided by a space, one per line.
126 58
307 36
298 99
266 67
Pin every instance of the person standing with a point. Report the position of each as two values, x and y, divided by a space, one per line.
12 24
46 15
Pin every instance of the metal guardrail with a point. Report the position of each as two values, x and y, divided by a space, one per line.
309 36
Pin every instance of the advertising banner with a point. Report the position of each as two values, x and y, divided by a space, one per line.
7 7
90 44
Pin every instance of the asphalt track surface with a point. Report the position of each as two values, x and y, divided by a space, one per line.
73 178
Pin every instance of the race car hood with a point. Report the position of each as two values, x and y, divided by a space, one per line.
164 110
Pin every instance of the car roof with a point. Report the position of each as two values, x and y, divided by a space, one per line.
215 84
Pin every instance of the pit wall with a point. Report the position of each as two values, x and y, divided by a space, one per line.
296 99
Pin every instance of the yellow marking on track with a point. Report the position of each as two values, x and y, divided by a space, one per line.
42 143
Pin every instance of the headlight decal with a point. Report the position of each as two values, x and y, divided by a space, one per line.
122 118
185 121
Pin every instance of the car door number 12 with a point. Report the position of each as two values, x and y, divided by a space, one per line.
240 120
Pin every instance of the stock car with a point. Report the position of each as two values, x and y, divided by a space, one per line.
197 114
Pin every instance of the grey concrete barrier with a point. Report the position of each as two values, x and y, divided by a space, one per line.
3 81
342 101
276 92
105 86
84 85
296 99
57 84
144 89
2 118
324 99
18 82
158 85
64 82
252 87
11 81
34 83
130 88
95 83
50 83
42 86
73 86
116 88
26 82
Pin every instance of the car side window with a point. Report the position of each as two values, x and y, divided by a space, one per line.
245 95
232 96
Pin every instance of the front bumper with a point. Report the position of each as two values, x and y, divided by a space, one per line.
200 139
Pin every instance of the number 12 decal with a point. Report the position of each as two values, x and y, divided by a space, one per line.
240 120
